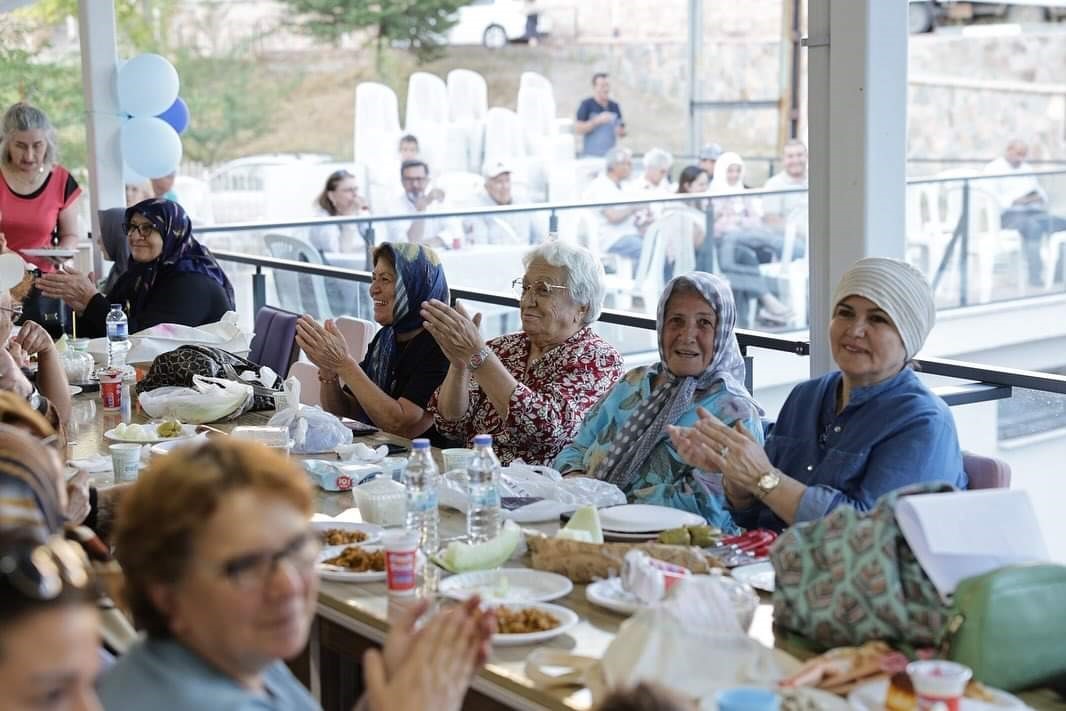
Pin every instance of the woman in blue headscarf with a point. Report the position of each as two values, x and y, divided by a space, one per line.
169 278
625 438
403 365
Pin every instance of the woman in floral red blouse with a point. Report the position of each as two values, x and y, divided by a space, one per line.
531 389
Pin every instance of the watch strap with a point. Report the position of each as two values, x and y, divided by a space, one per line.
478 359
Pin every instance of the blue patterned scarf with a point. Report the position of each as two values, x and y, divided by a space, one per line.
181 253
419 278
646 426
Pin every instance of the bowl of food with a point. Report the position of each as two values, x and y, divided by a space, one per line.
530 623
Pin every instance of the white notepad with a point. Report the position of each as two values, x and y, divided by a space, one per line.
967 533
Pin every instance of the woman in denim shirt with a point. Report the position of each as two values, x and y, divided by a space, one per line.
850 436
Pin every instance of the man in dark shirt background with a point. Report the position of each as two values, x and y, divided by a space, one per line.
599 119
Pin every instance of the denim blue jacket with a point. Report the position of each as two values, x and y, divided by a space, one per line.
891 434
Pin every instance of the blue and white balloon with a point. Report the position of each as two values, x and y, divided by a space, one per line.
147 85
150 146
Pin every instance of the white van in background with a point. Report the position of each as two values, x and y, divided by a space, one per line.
925 15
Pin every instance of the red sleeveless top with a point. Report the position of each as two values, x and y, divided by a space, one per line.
28 221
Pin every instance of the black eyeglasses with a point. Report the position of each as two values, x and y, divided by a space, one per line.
145 228
15 310
252 571
39 572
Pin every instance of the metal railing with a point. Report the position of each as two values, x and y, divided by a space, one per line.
981 383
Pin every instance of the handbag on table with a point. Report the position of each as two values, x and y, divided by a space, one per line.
177 368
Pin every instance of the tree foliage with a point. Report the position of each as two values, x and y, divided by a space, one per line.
420 25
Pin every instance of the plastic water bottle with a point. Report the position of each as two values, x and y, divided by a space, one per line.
118 337
422 480
483 476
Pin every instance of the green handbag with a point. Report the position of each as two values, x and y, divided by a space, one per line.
1008 627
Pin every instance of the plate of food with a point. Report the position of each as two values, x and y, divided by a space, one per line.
344 533
759 575
898 694
528 623
151 432
167 446
507 585
351 564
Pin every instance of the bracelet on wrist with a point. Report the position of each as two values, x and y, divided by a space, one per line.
328 379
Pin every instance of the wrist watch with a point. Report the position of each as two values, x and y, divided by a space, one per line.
35 400
479 358
768 482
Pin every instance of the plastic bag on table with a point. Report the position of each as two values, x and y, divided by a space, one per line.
208 400
312 429
146 345
555 495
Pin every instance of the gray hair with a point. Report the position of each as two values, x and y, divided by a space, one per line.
658 158
617 155
584 273
24 117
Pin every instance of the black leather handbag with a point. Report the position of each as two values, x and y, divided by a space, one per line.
176 368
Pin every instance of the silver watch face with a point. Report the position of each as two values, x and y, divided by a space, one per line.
768 481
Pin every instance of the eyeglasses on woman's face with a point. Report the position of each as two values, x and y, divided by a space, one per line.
253 571
40 572
145 229
540 289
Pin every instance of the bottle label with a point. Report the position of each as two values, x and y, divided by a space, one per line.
117 330
422 501
485 498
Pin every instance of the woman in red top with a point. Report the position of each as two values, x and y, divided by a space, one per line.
37 195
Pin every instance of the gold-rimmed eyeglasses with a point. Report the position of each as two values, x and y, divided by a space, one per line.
540 289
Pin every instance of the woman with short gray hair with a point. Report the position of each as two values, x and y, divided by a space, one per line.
530 389
37 195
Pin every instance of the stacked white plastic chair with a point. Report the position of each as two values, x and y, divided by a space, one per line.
427 118
504 142
467 106
377 134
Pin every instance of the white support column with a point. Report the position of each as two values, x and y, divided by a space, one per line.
99 60
857 81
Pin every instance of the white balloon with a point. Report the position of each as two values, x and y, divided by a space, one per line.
150 146
147 85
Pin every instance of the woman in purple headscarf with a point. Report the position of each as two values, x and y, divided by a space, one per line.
170 277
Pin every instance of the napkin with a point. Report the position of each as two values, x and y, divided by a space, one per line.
961 534
360 452
93 465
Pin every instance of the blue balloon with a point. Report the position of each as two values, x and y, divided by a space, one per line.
177 115
150 146
147 85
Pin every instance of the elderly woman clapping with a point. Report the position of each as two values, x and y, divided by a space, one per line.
847 437
623 438
530 389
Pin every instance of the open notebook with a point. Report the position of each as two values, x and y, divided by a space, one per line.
966 533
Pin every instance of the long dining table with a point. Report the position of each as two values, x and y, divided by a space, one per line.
352 617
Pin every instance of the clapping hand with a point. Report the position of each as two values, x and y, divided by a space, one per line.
70 285
323 344
33 339
713 446
455 332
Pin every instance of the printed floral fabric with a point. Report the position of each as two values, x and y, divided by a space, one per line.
547 406
664 479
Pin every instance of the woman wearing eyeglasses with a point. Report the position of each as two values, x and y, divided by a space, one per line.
391 386
339 197
530 389
170 277
220 575
49 629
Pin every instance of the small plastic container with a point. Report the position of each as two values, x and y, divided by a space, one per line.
382 501
938 682
401 561
110 388
273 437
456 457
125 460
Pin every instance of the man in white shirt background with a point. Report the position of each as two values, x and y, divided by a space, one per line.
507 228
778 208
419 197
656 175
1024 205
618 231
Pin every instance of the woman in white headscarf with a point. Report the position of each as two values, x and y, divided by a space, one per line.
624 439
744 242
853 435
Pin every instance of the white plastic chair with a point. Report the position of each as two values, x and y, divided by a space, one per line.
988 240
792 274
307 375
357 334
539 81
467 106
427 100
299 293
376 136
503 136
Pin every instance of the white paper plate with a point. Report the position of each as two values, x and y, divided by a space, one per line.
186 431
567 619
373 532
645 518
871 697
54 253
610 594
758 575
341 575
519 585
166 446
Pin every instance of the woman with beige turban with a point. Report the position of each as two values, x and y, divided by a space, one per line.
852 435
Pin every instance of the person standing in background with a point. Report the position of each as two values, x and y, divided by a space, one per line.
163 187
599 119
532 19
37 195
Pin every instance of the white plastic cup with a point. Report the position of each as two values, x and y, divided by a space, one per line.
938 682
457 457
126 460
401 561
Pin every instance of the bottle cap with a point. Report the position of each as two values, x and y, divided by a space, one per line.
483 439
420 443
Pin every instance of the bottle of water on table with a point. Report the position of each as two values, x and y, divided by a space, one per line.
483 476
118 337
422 480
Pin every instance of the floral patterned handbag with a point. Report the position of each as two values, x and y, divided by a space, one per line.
851 577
